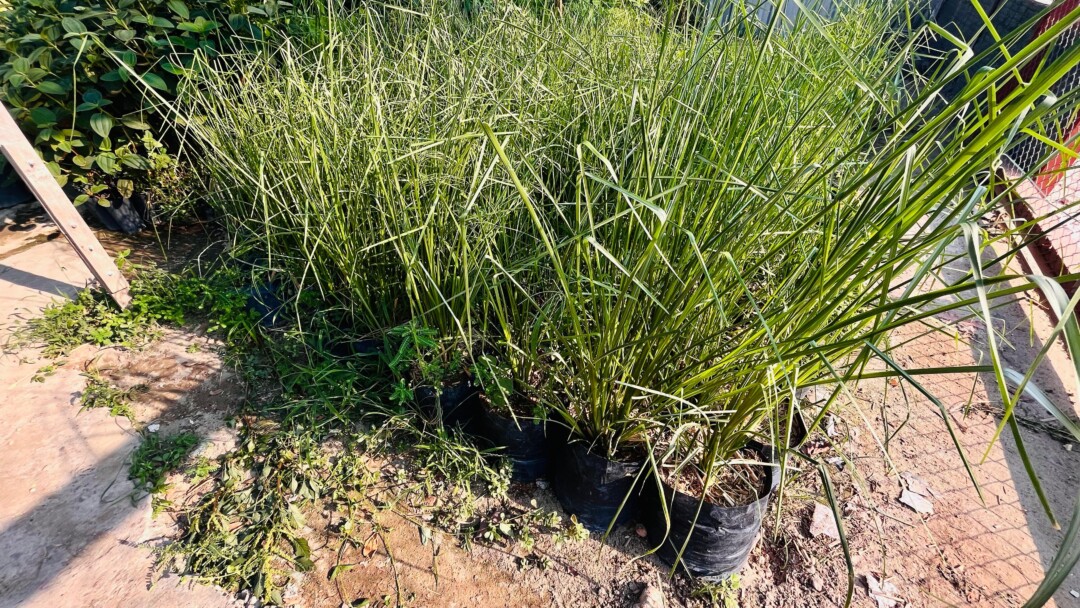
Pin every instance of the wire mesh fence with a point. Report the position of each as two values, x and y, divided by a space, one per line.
1051 194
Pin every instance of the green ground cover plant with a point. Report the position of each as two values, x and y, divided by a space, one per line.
101 393
243 531
158 298
156 457
88 319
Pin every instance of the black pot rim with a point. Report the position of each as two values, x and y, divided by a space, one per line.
577 443
488 410
767 452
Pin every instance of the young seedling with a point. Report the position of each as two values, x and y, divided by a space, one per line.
101 393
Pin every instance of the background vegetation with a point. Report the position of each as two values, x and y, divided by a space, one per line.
71 75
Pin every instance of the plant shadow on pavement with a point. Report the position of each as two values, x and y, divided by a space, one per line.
134 367
1015 526
971 549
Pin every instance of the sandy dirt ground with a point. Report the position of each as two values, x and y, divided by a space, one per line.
70 535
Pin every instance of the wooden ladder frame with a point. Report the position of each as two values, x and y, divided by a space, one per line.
35 174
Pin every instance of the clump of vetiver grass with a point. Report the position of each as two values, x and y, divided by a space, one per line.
413 220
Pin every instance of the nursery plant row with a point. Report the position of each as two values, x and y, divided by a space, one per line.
618 242
639 233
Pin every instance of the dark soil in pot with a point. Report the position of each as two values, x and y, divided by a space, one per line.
594 488
521 439
720 536
457 403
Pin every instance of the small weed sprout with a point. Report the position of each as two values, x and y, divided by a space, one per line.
155 458
524 528
720 594
401 393
46 370
100 393
405 345
495 379
573 532
202 468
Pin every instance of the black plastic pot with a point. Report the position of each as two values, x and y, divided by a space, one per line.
265 301
12 189
799 433
595 489
720 538
458 404
523 442
119 216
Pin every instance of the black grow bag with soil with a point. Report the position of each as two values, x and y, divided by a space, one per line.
457 404
523 442
266 302
593 487
722 537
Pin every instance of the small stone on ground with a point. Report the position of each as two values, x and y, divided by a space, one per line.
919 504
651 597
916 484
883 592
823 523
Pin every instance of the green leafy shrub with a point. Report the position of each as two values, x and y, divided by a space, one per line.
74 76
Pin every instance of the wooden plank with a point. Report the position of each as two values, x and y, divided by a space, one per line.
26 162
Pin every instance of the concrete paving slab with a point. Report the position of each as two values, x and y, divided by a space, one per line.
69 533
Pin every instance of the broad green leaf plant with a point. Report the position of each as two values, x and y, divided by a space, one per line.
66 76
